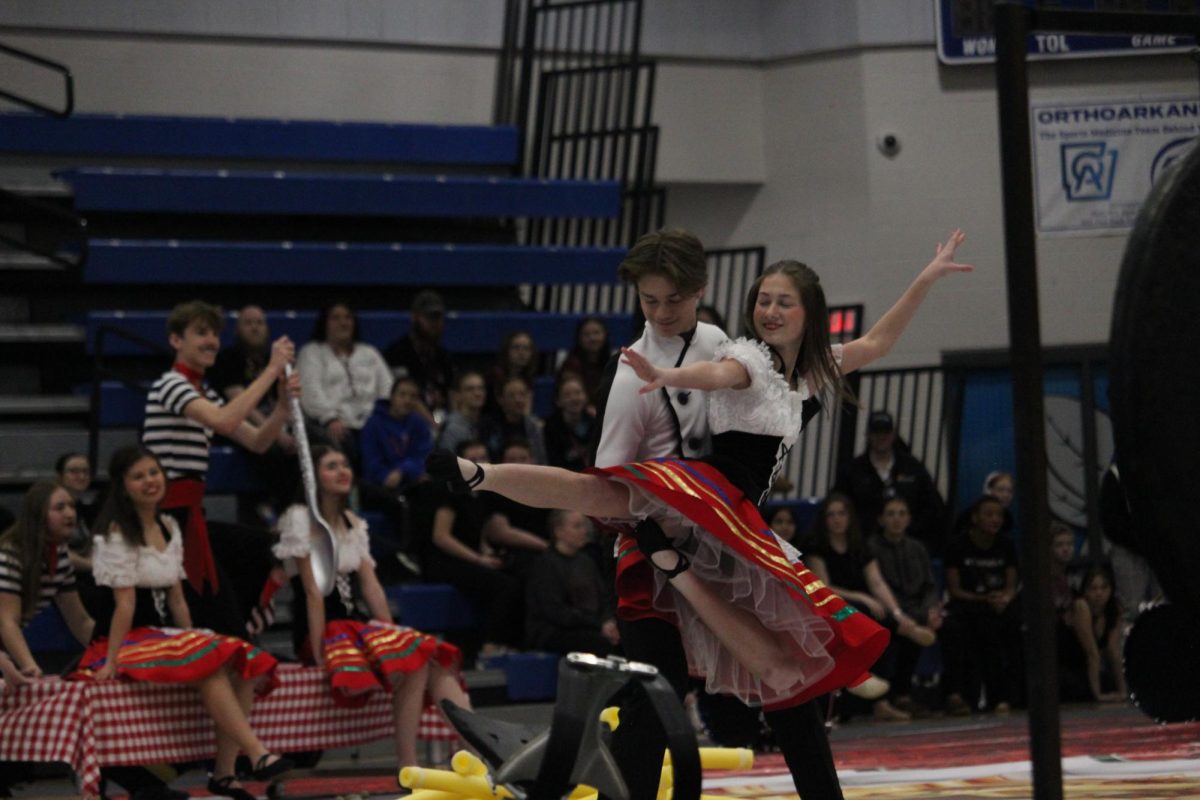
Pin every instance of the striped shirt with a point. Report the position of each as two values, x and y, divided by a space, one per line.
181 444
62 579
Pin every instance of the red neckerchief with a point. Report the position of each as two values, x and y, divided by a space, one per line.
195 377
51 558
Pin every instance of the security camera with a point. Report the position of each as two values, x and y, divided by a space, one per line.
888 144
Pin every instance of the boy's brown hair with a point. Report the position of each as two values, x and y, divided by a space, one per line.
185 314
673 253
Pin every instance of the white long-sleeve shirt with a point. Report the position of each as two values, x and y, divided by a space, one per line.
636 426
340 387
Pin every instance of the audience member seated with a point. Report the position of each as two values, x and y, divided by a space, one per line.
464 422
982 635
783 522
460 553
1089 643
512 420
28 583
342 377
905 566
887 468
569 429
139 561
838 555
518 358
421 356
360 651
75 475
588 356
1135 583
567 603
236 368
518 532
395 442
710 315
997 484
1062 562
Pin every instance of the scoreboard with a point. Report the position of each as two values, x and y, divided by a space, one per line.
965 31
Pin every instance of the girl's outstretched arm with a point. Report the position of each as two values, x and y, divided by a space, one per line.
878 341
704 375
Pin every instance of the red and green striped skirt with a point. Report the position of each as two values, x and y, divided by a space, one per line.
362 656
733 550
170 655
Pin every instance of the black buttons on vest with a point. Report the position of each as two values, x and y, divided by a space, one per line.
683 398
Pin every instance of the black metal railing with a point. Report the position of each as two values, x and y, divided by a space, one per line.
62 236
68 104
566 35
101 372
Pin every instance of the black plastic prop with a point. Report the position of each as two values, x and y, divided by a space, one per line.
547 765
1155 394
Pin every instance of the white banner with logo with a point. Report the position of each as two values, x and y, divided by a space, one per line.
1094 161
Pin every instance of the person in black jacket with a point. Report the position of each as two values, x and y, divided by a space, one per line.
567 603
886 469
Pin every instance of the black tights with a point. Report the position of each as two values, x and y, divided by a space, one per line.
639 740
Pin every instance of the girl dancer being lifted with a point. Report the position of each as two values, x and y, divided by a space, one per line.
754 620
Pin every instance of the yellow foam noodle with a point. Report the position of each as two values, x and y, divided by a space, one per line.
611 717
721 758
472 786
666 781
468 764
432 794
583 792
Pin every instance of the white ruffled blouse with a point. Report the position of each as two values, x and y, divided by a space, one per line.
295 541
118 565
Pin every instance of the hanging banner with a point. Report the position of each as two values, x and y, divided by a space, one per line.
1094 161
966 33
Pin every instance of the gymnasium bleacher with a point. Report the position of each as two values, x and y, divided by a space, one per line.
136 180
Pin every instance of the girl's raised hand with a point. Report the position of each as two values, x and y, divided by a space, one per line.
943 259
651 374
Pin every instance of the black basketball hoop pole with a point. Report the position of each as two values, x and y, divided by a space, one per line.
1014 22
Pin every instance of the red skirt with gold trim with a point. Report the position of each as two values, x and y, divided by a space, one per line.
361 656
172 655
734 551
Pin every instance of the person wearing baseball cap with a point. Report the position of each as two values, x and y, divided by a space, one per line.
888 468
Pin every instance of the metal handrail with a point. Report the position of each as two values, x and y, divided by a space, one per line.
62 69
101 372
78 224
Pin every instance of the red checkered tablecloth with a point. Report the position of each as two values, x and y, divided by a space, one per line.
89 725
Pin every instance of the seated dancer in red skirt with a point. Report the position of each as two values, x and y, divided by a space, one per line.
140 559
756 622
360 653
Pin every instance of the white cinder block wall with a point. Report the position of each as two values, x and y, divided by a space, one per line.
769 109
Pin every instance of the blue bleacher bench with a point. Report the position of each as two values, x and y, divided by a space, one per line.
432 607
469 332
336 194
140 262
143 136
528 676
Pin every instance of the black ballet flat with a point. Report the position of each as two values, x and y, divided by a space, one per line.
442 466
223 787
269 772
651 539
